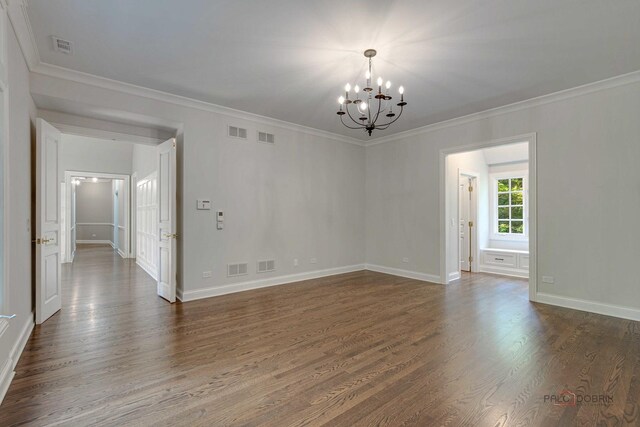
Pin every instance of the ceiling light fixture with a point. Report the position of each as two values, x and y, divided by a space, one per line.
373 105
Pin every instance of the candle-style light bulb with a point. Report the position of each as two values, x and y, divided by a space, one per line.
363 106
388 85
347 87
401 90
367 74
341 100
380 81
356 89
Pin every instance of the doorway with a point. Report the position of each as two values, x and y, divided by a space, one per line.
467 222
97 210
492 228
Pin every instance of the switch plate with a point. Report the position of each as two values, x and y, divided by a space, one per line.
548 279
206 274
295 262
203 204
405 259
313 261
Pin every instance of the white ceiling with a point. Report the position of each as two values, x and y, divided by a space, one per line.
289 59
509 153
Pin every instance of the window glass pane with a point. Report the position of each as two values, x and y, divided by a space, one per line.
517 227
503 226
503 185
516 184
503 213
516 212
516 198
503 199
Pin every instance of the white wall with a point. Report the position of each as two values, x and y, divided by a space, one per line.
85 154
94 205
301 198
144 161
472 161
21 117
587 154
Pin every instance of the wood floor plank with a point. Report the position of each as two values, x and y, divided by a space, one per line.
360 348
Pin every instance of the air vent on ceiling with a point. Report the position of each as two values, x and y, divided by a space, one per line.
236 132
237 269
62 46
266 266
267 138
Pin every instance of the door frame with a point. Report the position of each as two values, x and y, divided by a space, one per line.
133 212
68 175
473 208
531 139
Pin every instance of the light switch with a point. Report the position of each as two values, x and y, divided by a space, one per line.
203 204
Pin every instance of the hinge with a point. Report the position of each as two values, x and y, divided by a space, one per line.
470 188
174 143
470 259
470 223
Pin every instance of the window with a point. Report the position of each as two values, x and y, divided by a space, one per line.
509 206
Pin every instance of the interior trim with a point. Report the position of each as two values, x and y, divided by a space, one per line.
425 277
589 306
213 291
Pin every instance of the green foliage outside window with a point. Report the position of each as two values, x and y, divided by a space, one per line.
511 206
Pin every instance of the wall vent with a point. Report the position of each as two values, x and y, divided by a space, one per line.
266 266
237 269
62 46
236 132
267 138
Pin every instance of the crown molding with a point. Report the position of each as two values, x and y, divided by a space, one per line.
612 82
55 71
17 11
19 17
20 20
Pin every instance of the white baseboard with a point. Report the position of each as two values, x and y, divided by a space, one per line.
143 265
7 371
590 306
403 273
121 253
95 242
6 375
263 283
505 271
454 276
25 333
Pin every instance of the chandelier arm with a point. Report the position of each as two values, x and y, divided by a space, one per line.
351 127
352 119
386 125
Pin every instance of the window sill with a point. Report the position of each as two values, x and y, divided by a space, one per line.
523 239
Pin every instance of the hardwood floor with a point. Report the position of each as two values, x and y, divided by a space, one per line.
361 348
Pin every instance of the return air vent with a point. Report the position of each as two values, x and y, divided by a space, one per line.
237 269
267 138
266 266
62 46
236 132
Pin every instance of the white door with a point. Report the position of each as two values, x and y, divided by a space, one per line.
48 287
465 220
166 273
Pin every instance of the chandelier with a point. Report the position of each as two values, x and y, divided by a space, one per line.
373 105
